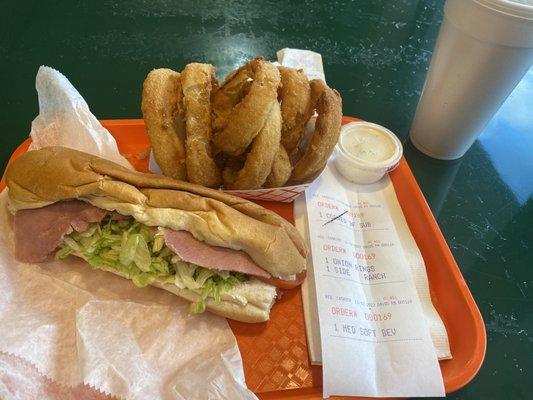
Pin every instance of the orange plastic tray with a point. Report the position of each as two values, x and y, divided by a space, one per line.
276 362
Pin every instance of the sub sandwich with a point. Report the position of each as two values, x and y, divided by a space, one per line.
222 253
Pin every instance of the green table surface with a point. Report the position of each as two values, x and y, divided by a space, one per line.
376 54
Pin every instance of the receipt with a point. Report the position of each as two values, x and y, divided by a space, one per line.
368 312
374 335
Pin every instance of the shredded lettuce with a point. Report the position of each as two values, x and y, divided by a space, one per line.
139 252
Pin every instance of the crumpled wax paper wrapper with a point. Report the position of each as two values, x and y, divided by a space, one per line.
65 120
21 380
91 329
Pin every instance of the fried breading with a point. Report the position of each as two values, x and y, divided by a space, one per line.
249 116
325 136
164 124
259 161
232 91
281 169
197 83
296 106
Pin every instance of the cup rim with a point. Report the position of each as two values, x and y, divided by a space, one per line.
509 7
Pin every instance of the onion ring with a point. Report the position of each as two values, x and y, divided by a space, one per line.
281 169
232 91
325 136
259 162
197 82
165 127
249 116
296 106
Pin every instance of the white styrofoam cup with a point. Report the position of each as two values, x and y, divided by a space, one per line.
483 50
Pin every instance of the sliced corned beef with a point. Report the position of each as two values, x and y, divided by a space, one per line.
39 231
192 250
115 216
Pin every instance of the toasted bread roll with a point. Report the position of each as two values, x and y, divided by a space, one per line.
42 177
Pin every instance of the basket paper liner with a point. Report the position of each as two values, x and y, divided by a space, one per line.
285 194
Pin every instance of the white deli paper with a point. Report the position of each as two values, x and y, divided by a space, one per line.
79 326
375 340
308 60
65 120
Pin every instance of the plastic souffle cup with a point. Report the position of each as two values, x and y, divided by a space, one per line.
366 152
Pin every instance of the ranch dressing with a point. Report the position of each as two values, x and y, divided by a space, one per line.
368 144
366 152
